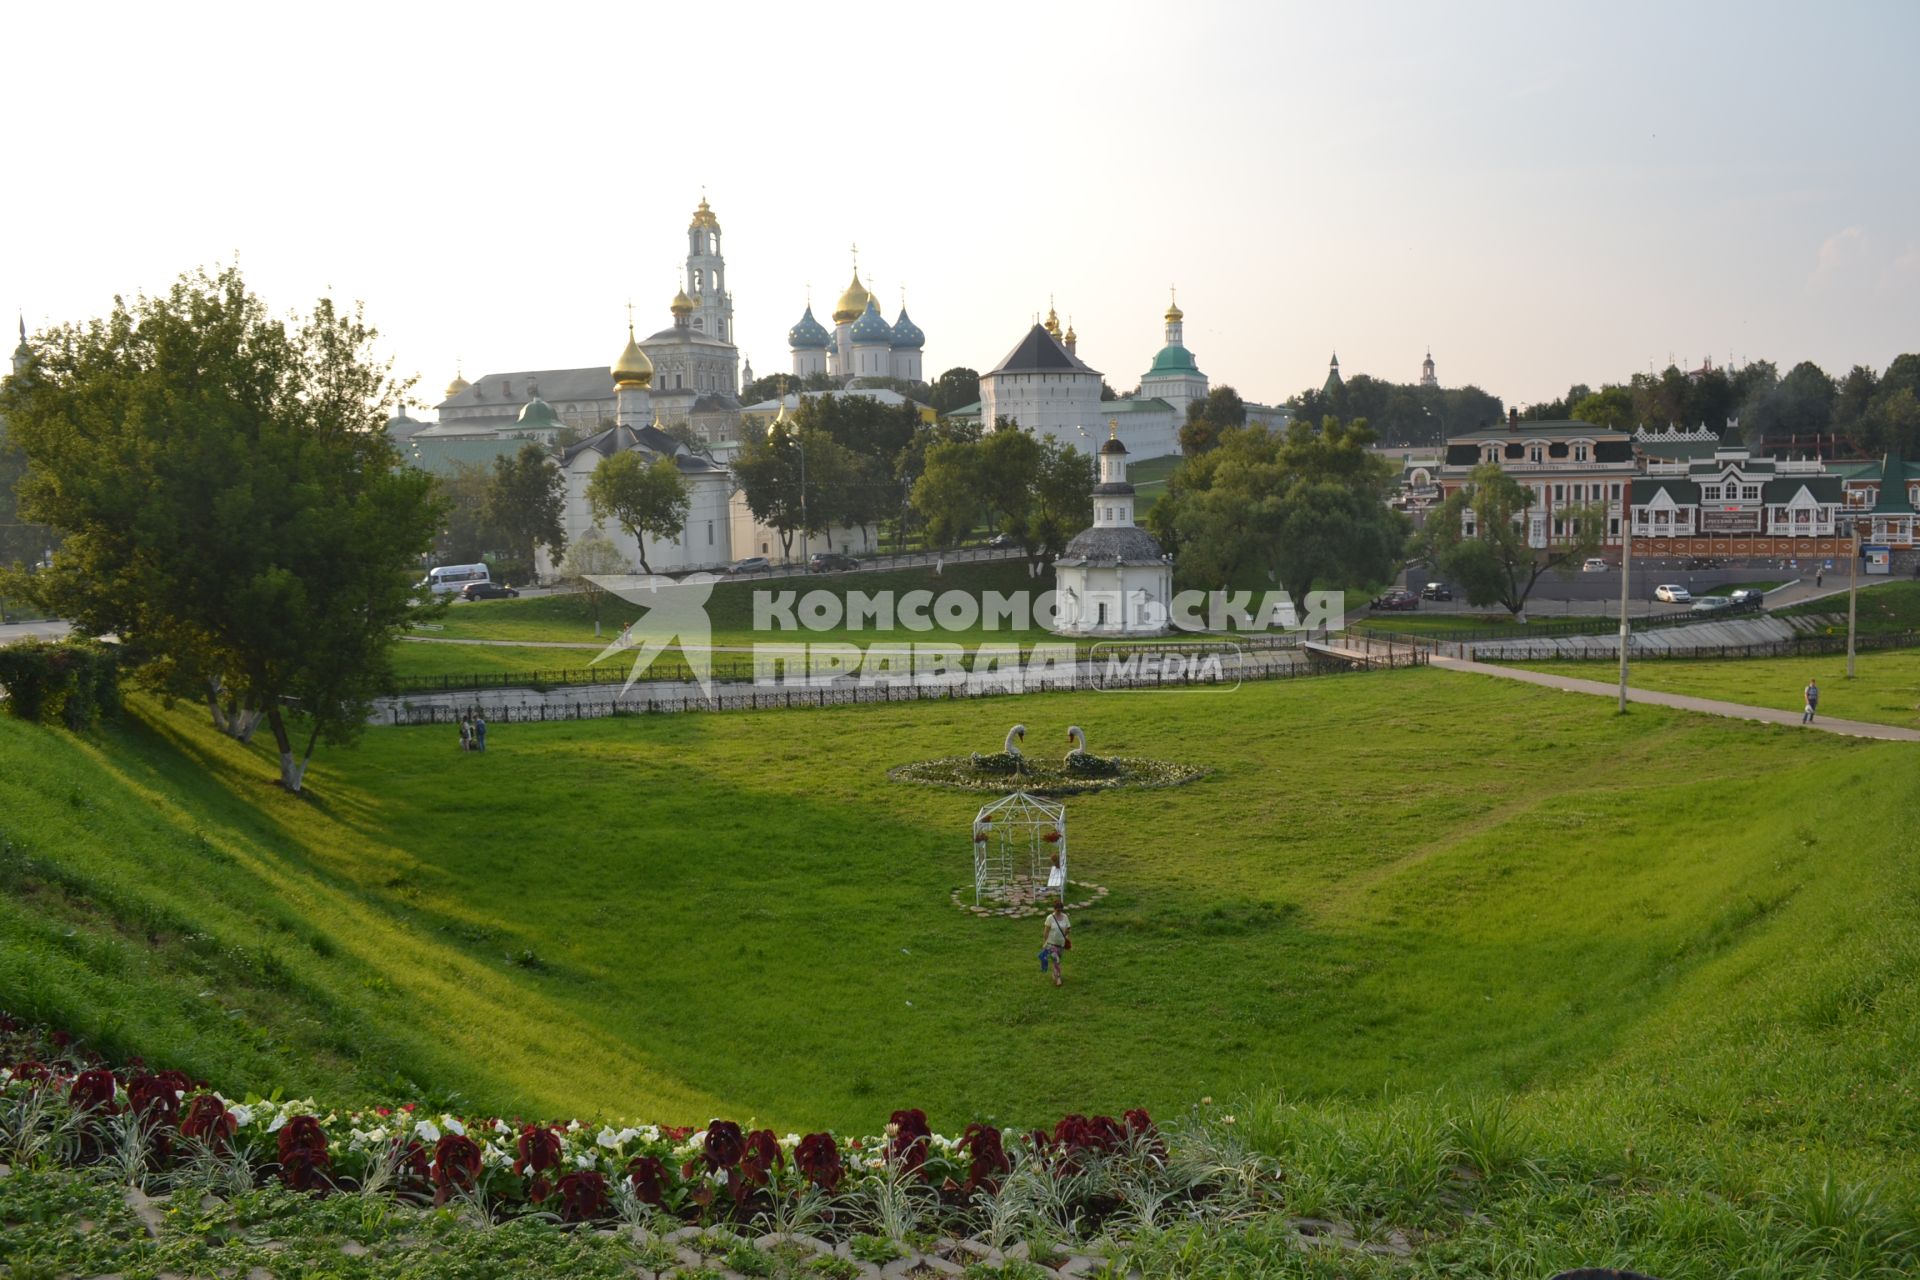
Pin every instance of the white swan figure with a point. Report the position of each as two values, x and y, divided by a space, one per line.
1077 738
1012 744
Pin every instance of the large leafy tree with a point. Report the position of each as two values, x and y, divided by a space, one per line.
955 389
1206 419
526 502
1479 538
768 473
1607 407
467 533
1305 508
644 494
947 495
233 510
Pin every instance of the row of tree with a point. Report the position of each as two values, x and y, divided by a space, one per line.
1400 413
1034 490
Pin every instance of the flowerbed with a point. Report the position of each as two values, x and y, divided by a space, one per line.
980 1192
966 773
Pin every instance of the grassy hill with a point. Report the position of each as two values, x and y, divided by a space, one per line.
1659 975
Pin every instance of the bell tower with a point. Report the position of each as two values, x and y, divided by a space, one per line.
707 276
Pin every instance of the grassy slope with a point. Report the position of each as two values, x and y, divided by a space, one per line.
738 914
1889 606
1885 688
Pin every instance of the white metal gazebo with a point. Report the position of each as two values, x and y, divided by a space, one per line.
1015 840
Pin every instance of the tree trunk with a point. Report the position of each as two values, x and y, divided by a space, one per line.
292 773
235 721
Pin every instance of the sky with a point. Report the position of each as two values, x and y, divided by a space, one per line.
1542 193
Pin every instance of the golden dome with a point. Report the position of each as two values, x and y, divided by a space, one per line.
1174 314
853 303
1053 322
1072 337
632 369
682 304
458 385
703 216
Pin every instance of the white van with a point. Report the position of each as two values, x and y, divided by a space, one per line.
447 579
1596 564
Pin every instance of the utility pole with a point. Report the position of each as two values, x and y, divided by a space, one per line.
1853 593
1626 580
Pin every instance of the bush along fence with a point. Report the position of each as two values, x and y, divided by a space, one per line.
719 1200
73 682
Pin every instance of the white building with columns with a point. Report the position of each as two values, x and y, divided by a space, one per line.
1113 579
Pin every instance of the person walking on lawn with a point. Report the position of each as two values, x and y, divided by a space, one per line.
1058 940
1813 701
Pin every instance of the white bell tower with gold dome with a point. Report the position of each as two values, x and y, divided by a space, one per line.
707 276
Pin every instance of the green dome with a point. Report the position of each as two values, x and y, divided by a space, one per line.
537 414
1173 360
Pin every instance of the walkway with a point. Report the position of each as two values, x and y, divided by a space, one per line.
1681 702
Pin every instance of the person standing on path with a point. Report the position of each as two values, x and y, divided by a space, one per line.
1813 701
479 731
1059 939
466 734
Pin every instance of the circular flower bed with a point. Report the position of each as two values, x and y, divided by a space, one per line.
1047 777
1025 896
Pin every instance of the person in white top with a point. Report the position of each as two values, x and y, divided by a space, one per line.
1059 940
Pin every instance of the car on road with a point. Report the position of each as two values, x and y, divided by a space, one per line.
829 561
1000 540
1747 599
1436 591
1595 564
488 591
1712 604
1399 599
750 564
1671 593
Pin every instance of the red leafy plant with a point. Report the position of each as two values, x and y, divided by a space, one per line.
818 1159
648 1177
92 1092
583 1196
761 1158
907 1135
303 1154
987 1157
208 1120
456 1166
724 1146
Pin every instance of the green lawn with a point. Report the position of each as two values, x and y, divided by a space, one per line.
1888 606
1885 688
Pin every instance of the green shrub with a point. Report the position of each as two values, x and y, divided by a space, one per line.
78 680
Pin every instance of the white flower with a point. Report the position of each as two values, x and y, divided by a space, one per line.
501 1126
427 1131
242 1113
583 1162
279 1122
1226 1119
608 1139
573 1126
627 1135
452 1125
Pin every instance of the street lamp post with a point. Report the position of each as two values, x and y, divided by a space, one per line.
1853 592
1626 579
795 437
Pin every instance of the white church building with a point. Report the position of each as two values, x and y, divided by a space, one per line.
1113 579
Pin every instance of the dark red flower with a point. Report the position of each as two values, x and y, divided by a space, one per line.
583 1195
456 1165
673 1133
648 1176
31 1071
818 1159
1140 1129
303 1154
988 1157
907 1135
92 1091
209 1120
539 1189
539 1148
725 1144
761 1158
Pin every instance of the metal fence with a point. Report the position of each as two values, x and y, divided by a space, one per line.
1794 647
1593 625
1276 664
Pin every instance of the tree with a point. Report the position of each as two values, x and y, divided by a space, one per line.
1206 419
1610 406
1854 397
1062 499
645 495
467 533
1494 563
768 473
526 502
955 389
1305 508
233 509
948 494
592 555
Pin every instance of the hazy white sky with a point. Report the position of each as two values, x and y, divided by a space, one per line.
1544 192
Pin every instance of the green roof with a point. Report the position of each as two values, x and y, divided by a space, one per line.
1685 493
439 456
1139 404
1892 498
1823 488
1542 430
1172 361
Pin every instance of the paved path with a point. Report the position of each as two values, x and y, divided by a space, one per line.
1705 706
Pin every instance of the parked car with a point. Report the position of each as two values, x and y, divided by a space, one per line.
1000 540
488 591
1595 564
1436 591
828 561
751 564
1399 599
1712 604
1747 599
1669 593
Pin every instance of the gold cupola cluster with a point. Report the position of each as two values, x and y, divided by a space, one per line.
703 217
632 369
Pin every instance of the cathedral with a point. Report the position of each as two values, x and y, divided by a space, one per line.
861 345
